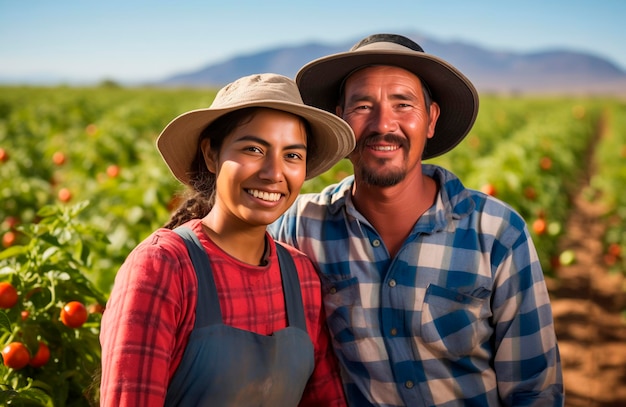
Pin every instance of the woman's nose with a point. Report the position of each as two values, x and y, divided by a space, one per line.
272 169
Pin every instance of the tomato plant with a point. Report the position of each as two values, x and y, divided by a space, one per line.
608 184
50 270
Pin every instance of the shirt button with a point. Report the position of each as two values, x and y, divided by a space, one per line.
392 283
375 242
394 331
333 290
408 384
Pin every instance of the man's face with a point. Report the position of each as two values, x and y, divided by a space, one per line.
385 107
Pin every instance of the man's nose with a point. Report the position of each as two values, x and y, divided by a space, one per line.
383 119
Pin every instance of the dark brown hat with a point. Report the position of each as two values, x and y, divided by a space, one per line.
320 83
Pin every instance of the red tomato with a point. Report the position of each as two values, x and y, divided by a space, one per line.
65 195
15 355
8 295
540 226
113 171
488 189
96 309
4 156
615 249
8 239
41 357
58 158
74 314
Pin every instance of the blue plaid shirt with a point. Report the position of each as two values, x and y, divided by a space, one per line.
461 316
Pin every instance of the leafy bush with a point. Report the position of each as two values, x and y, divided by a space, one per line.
49 271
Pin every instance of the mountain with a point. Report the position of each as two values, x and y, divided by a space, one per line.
549 71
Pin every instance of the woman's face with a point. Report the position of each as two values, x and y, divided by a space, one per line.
260 168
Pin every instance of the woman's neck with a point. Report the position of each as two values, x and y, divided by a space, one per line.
245 243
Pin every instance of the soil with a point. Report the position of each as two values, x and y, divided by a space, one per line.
588 304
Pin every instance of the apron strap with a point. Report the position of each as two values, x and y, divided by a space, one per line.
209 304
291 288
206 284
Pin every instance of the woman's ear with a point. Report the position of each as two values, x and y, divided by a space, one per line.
209 158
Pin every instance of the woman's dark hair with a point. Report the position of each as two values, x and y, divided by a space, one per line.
199 197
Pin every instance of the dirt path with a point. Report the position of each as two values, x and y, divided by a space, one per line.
588 303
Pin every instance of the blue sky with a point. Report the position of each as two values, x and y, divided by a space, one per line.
82 40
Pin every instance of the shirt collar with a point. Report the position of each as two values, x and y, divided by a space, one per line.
453 199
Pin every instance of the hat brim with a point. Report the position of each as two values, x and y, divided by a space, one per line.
178 142
320 81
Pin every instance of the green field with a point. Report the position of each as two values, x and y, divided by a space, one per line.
81 184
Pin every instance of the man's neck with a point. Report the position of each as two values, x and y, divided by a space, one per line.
393 211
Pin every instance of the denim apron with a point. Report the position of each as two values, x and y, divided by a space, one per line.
226 366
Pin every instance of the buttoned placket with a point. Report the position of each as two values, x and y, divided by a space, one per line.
391 323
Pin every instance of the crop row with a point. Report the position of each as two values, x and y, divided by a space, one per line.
536 167
73 144
607 185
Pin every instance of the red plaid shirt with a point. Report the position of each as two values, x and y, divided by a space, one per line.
151 312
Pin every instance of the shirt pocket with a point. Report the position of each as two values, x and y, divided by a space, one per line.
455 323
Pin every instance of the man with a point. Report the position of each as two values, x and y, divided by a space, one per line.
434 293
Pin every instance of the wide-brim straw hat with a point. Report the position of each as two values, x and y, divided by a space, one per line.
321 80
334 139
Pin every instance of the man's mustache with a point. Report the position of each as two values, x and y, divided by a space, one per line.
375 138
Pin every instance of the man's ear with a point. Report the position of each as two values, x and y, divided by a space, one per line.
432 118
338 111
209 159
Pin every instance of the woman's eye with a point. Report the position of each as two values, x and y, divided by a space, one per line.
253 149
294 156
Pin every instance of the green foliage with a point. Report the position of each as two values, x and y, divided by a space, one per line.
98 144
48 271
607 185
536 165
106 137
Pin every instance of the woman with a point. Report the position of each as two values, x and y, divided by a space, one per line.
201 311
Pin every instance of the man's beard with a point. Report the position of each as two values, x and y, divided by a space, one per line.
389 176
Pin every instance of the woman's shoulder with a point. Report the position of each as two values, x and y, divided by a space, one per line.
163 245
